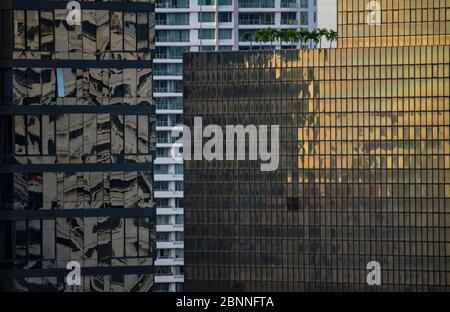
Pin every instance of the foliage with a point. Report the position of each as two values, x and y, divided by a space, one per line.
292 36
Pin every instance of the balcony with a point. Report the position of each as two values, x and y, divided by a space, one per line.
167 140
257 4
169 211
167 90
289 22
172 22
169 262
168 176
172 4
207 2
162 104
169 160
168 194
170 228
255 22
166 39
289 4
165 278
168 56
167 123
170 245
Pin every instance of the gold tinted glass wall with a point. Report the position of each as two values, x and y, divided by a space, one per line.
364 171
364 23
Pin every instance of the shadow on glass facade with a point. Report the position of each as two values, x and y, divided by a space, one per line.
364 170
77 146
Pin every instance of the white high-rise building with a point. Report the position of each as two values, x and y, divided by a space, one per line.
199 25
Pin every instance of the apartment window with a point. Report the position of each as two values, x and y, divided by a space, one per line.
225 48
170 86
288 18
161 169
206 34
169 103
168 69
256 3
207 48
179 202
304 19
162 202
162 236
206 2
225 17
206 17
179 186
179 219
225 2
172 18
162 152
179 236
170 52
161 186
172 35
256 18
243 31
162 220
178 169
304 4
225 33
174 4
289 3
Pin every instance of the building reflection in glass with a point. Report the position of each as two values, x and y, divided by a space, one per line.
364 170
78 144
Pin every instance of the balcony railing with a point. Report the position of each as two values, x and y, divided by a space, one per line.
289 4
255 22
172 23
257 4
167 90
169 105
169 39
165 141
169 55
168 73
172 4
289 22
176 275
166 123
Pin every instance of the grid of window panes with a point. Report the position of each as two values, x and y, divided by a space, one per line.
364 171
92 242
89 130
101 35
363 23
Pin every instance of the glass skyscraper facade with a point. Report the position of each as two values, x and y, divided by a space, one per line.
364 172
364 23
199 25
78 142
